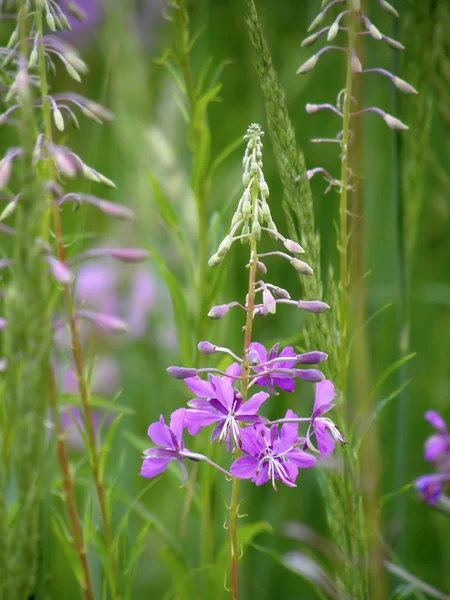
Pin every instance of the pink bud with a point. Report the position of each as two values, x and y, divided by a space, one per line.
130 254
219 311
5 172
312 358
207 348
269 302
59 270
182 372
314 306
109 323
311 375
395 123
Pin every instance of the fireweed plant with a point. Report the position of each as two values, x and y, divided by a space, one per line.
40 299
261 450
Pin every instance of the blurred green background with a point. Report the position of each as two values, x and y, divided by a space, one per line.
121 44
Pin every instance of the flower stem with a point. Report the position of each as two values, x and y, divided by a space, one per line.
234 505
69 490
75 338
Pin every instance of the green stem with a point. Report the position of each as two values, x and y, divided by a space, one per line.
76 343
234 504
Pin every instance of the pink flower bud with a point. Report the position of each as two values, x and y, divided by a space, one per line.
314 306
109 323
60 271
312 358
182 372
219 311
395 123
207 348
311 375
301 267
293 247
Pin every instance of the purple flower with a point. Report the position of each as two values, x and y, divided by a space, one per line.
272 454
220 403
261 363
430 487
323 428
170 445
437 451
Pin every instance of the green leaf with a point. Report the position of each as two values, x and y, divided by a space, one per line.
184 588
96 402
166 209
388 497
180 308
390 370
107 444
224 154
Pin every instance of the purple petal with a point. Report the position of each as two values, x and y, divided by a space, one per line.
325 441
252 405
177 424
218 406
260 349
251 442
436 420
288 385
234 370
224 391
160 434
288 352
154 466
200 404
288 434
301 459
435 446
325 394
274 351
161 453
201 388
244 467
197 419
262 381
263 476
290 476
216 432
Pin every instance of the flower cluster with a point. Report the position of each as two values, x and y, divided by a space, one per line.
264 450
352 21
437 451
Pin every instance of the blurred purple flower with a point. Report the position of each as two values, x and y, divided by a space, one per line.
92 13
141 301
258 356
72 424
437 451
224 407
170 446
272 454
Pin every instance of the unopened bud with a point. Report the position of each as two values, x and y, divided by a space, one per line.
269 302
246 209
356 63
312 109
404 86
308 65
333 31
301 267
317 21
225 245
215 260
60 271
106 181
58 119
395 123
33 58
314 306
256 230
264 189
50 21
311 375
266 212
182 372
310 40
5 172
236 218
8 210
219 311
388 7
73 72
76 11
356 5
273 231
244 234
293 247
374 32
312 358
207 348
281 293
261 267
130 254
393 43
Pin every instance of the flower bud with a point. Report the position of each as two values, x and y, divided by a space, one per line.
393 43
261 267
356 63
246 208
182 372
293 247
236 218
8 210
309 41
314 306
219 311
312 109
395 123
311 375
389 8
356 5
5 172
112 209
281 293
225 246
253 358
215 260
333 31
130 254
317 21
269 302
301 267
264 189
256 230
73 72
245 233
207 348
312 358
374 32
50 21
60 271
266 212
308 65
273 231
404 86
